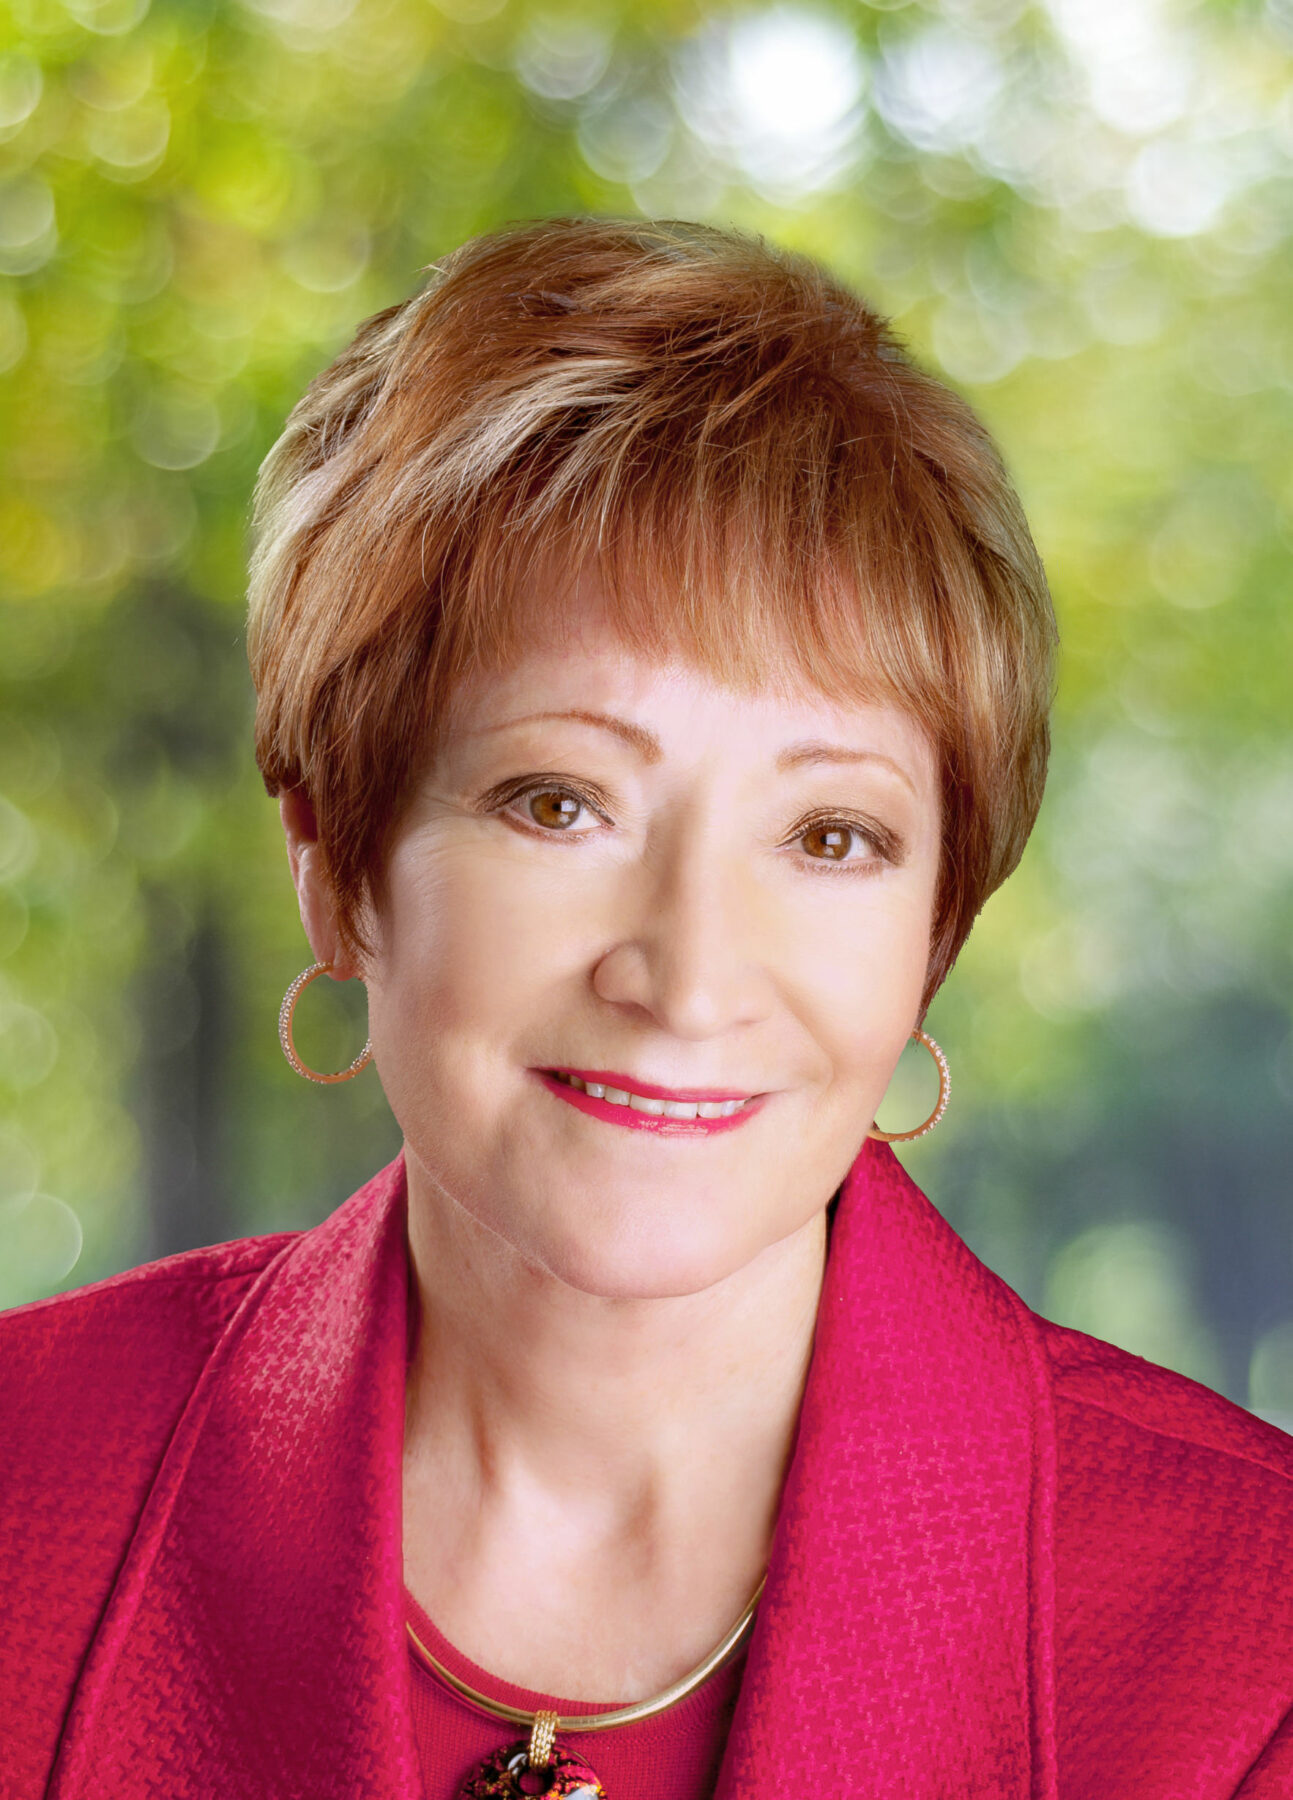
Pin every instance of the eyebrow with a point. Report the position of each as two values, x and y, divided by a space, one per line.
648 746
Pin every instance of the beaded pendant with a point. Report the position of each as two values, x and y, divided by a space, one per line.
509 1774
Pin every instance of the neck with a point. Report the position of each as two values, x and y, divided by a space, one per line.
634 1450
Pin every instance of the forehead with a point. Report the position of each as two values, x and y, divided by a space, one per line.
574 659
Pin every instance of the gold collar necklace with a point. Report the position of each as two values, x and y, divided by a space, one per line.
539 1765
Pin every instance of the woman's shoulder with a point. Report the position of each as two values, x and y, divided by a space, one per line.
1173 1517
93 1377
177 1298
1115 1404
92 1385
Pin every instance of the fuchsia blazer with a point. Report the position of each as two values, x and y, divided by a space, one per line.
1011 1562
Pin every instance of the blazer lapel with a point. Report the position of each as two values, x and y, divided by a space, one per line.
904 1638
254 1642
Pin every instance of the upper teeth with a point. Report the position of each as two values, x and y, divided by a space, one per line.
669 1109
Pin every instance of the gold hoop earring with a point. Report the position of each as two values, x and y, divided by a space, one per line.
944 1090
286 1039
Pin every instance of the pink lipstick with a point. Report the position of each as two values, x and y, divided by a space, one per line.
632 1120
649 1091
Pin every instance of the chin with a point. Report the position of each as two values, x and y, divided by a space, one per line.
668 1260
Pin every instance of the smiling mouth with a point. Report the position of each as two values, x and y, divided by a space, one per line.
647 1103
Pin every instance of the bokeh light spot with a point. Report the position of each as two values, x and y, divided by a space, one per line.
1176 188
28 229
562 59
19 1170
40 1245
939 89
131 141
1127 1282
28 1047
21 85
177 429
18 842
109 18
628 138
779 93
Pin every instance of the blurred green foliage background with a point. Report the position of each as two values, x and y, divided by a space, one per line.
1079 212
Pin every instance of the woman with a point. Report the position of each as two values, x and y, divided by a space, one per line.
653 670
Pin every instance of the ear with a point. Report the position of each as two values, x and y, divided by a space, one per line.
313 891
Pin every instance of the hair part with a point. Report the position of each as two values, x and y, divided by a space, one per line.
768 486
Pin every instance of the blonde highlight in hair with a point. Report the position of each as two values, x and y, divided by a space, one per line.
767 485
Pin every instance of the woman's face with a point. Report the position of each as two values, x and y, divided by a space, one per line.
683 897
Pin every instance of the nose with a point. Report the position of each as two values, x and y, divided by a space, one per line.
686 949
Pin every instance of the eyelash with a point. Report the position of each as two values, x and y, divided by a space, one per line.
498 800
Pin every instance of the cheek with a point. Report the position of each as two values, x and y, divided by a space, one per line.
464 936
862 970
870 951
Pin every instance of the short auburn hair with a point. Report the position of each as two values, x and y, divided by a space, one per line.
768 485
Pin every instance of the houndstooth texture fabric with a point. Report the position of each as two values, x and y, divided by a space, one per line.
1011 1562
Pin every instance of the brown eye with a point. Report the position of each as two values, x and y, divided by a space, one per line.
832 839
553 807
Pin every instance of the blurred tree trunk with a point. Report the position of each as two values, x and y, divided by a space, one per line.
185 1018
